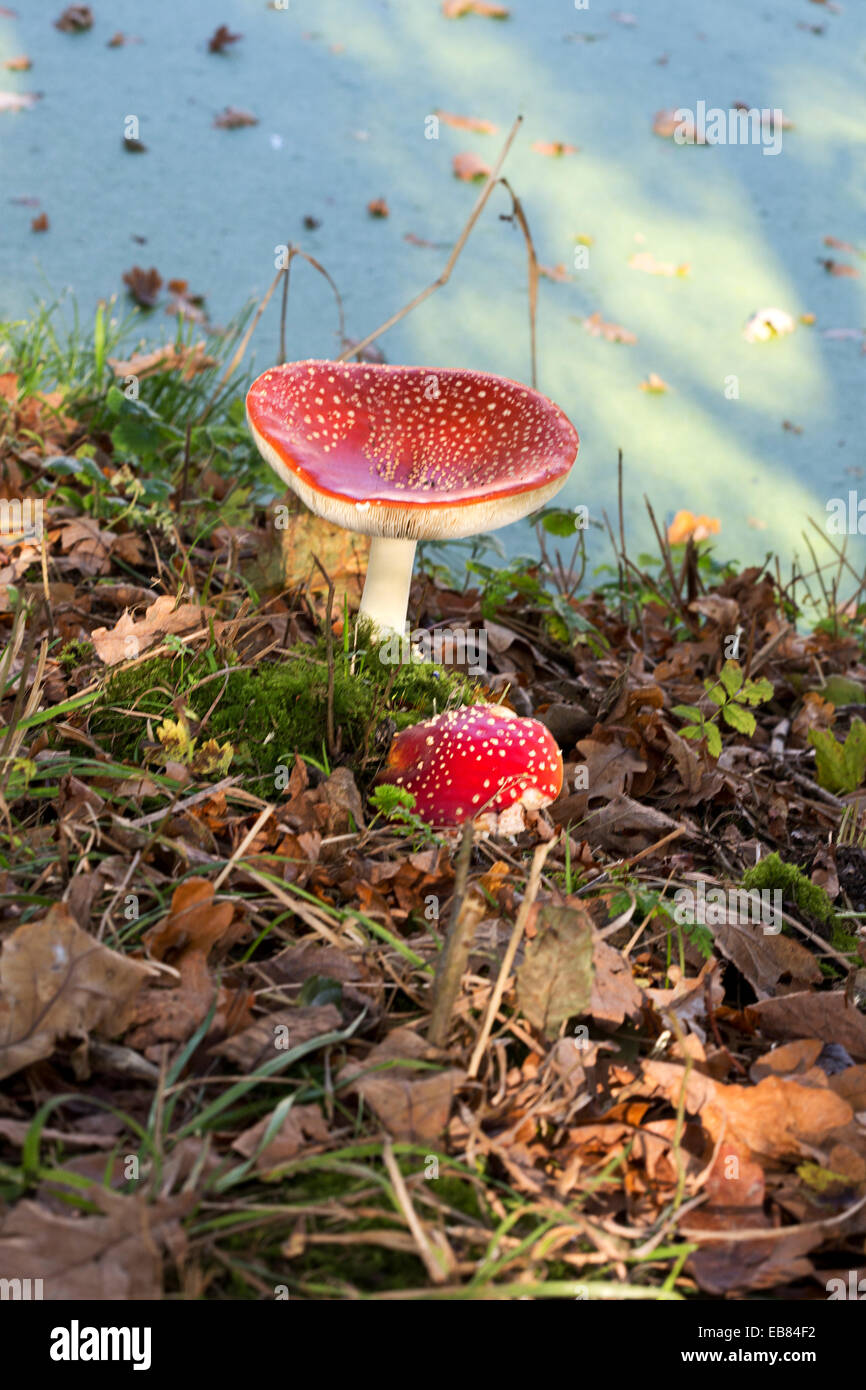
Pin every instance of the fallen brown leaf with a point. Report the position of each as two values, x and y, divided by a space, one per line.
56 981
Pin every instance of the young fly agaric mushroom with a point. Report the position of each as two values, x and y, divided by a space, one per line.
404 454
482 758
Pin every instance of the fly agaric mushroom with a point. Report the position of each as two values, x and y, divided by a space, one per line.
475 760
404 454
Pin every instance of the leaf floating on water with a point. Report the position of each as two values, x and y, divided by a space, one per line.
456 9
555 149
221 38
75 19
646 261
233 117
40 223
20 64
378 208
654 385
469 167
467 123
143 285
612 332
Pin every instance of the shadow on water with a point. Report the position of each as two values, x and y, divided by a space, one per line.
342 89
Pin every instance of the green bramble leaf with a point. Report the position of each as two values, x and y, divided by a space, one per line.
717 696
687 712
714 740
739 719
691 731
756 692
731 677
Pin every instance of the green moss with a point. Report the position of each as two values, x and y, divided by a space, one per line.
274 710
798 888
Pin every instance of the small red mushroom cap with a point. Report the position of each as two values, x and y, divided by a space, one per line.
479 758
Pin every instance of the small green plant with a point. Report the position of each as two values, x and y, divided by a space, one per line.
397 806
841 767
732 694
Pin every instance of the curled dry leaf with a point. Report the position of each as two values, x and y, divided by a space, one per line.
40 223
75 19
188 360
378 208
194 926
128 638
481 127
21 63
221 38
56 981
468 166
557 273
143 285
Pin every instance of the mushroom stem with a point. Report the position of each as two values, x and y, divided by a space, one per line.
386 588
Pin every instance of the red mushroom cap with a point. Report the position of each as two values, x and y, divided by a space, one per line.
415 452
479 758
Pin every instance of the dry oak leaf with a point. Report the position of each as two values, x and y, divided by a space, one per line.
116 1256
263 1038
810 1015
612 332
128 638
304 1126
56 981
615 996
779 1118
765 957
481 127
468 166
609 764
412 1104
